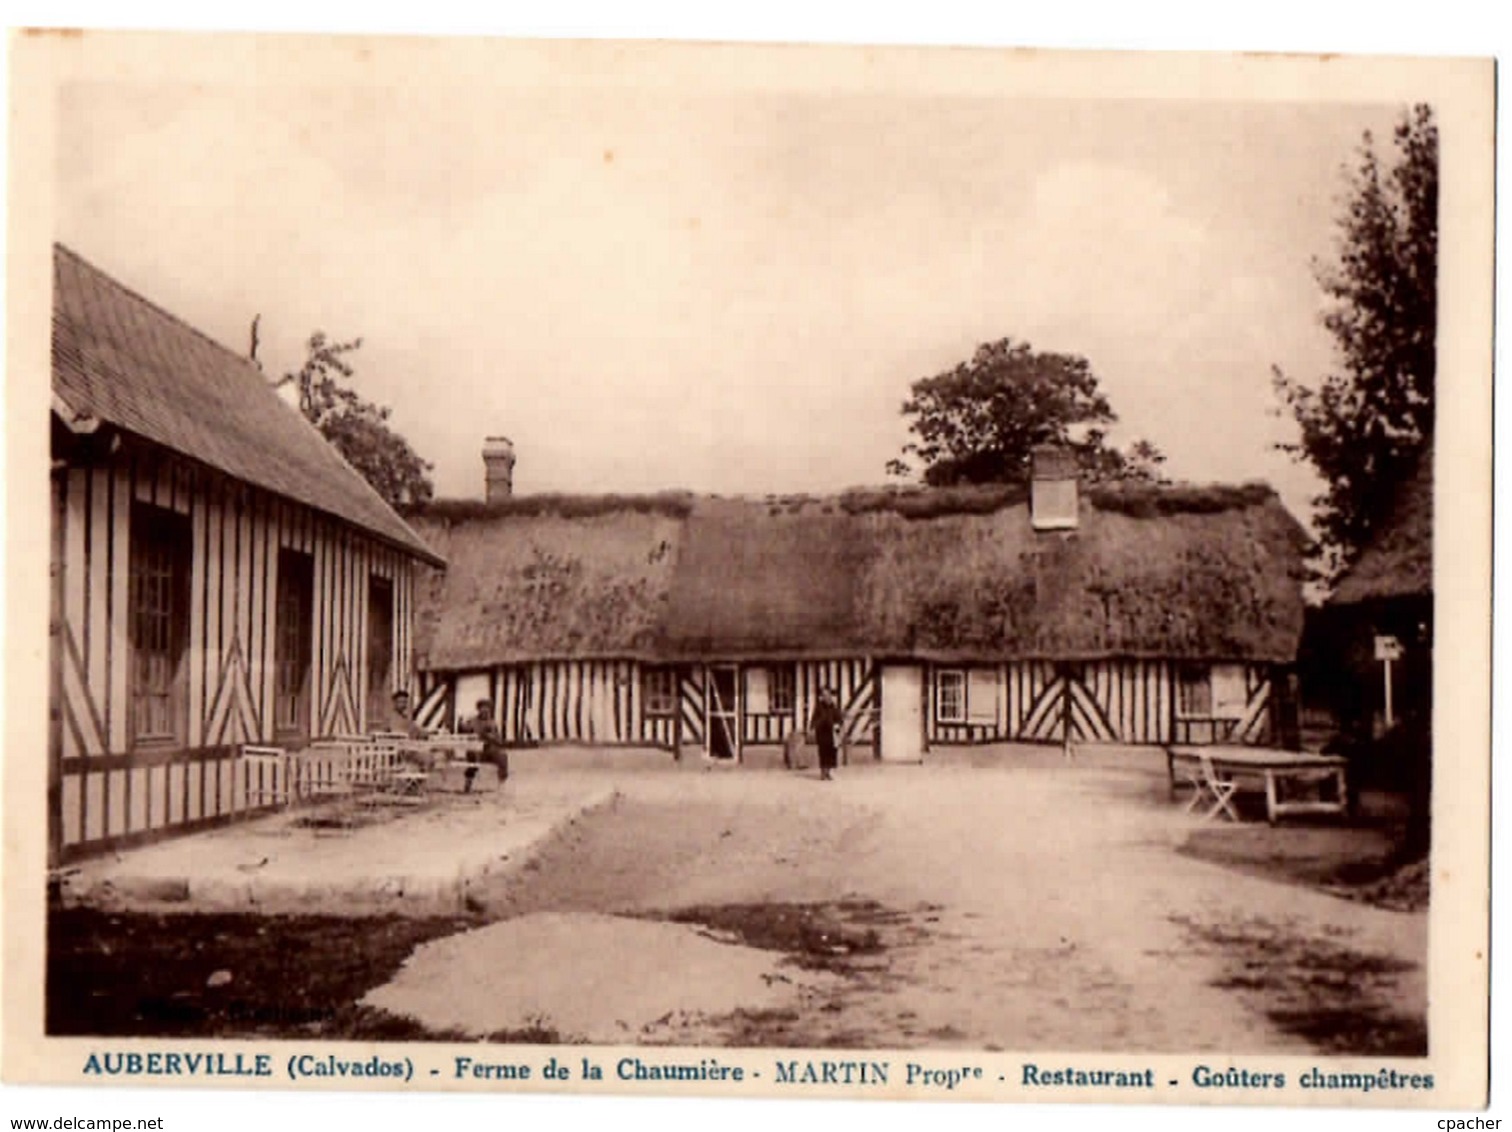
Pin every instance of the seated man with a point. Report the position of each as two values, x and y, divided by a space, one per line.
484 727
401 721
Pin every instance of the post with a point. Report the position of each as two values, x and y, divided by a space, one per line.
1064 671
1388 693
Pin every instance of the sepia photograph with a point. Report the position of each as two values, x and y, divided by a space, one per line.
754 570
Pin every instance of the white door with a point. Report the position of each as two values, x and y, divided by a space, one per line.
902 713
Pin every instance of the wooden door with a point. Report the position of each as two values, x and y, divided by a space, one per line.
903 713
380 652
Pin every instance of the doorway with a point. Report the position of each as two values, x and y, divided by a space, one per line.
722 705
903 713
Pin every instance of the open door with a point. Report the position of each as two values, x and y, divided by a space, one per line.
722 705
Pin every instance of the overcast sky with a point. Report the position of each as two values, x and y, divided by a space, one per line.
647 286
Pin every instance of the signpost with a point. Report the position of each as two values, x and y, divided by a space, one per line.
1388 649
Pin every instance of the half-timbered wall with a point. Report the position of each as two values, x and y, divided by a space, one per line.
111 787
1109 701
601 702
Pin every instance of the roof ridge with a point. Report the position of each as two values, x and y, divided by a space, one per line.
226 361
162 310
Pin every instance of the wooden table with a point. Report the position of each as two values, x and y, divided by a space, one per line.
1256 769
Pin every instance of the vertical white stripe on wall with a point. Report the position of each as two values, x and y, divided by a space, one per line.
267 569
95 641
119 632
213 566
141 783
244 590
404 574
361 628
94 806
583 721
278 536
320 604
198 526
115 795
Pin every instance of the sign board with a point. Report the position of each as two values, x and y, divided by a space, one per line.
1388 648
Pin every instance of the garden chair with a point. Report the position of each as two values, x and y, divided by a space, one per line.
1209 788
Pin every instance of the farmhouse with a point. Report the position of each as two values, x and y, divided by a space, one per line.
1047 612
219 575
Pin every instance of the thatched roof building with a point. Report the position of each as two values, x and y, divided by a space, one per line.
1398 560
1171 572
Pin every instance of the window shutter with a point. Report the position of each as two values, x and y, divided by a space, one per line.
757 700
1229 697
982 696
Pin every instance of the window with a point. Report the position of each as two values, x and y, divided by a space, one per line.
1194 693
380 651
1230 696
1211 692
293 629
782 693
161 546
659 691
1053 504
770 691
950 696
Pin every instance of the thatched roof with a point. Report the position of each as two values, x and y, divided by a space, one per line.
1397 562
1150 572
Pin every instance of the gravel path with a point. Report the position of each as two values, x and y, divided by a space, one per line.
1009 909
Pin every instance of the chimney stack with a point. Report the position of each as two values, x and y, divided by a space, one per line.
498 468
1054 480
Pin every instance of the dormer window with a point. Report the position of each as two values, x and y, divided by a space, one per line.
1053 488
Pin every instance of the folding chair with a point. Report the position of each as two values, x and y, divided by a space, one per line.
266 778
1209 788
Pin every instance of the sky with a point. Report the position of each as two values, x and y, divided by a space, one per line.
724 287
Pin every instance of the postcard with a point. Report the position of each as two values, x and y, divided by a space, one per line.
743 571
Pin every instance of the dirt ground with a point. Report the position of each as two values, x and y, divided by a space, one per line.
904 907
980 908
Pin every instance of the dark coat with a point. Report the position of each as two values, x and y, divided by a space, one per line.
825 725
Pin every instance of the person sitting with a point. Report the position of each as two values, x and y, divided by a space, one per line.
401 720
484 727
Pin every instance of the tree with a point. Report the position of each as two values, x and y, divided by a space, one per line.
357 428
1364 424
978 422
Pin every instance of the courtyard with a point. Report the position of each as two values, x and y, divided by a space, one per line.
1001 900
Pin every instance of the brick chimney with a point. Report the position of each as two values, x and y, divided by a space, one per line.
1054 481
498 468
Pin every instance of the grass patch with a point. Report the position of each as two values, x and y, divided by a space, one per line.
1335 997
150 975
1358 862
816 937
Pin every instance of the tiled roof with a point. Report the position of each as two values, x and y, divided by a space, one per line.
127 362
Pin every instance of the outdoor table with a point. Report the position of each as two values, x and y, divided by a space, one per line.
1256 769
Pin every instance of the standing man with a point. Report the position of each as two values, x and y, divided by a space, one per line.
824 726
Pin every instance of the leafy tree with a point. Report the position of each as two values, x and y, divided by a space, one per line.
357 428
978 422
1363 425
